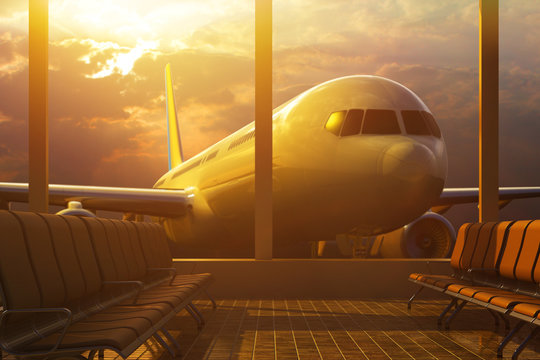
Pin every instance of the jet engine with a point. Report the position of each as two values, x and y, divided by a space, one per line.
429 236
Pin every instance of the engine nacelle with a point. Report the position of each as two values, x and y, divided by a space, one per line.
429 236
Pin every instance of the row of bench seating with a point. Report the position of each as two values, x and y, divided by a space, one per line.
497 266
71 285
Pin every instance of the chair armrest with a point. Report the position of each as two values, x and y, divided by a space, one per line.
139 284
170 270
6 313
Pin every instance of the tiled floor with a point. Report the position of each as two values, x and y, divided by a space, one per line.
334 329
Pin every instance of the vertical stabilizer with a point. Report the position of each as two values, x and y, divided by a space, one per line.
176 156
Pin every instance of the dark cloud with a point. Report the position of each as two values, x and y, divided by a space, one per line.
13 151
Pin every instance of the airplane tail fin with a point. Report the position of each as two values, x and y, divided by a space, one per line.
176 155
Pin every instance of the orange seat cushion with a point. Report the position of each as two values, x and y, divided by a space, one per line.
527 309
487 295
456 288
509 301
414 276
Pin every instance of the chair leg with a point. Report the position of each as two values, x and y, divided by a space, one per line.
495 317
214 305
199 320
524 343
101 354
446 309
92 354
164 344
194 308
507 338
506 322
414 295
451 317
171 338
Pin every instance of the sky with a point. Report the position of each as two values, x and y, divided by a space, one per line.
106 78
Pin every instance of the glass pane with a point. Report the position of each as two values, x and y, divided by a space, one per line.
430 120
335 122
414 123
381 122
353 122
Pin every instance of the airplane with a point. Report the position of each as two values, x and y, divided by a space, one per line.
358 155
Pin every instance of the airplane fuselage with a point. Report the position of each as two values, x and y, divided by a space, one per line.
358 152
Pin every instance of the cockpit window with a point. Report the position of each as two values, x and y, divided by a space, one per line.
414 123
380 122
335 122
430 120
353 122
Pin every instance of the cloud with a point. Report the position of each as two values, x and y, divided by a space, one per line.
103 131
4 117
232 37
104 151
13 150
108 57
17 64
13 53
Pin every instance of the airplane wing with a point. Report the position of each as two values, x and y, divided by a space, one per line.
454 196
155 202
174 203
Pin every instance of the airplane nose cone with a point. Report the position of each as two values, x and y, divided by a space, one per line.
408 161
410 180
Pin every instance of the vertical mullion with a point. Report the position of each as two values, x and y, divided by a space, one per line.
38 134
489 111
263 129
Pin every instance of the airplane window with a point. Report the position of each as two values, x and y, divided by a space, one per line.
242 139
187 168
414 123
380 122
211 156
353 122
430 120
335 121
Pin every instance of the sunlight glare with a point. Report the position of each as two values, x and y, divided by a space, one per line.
123 62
